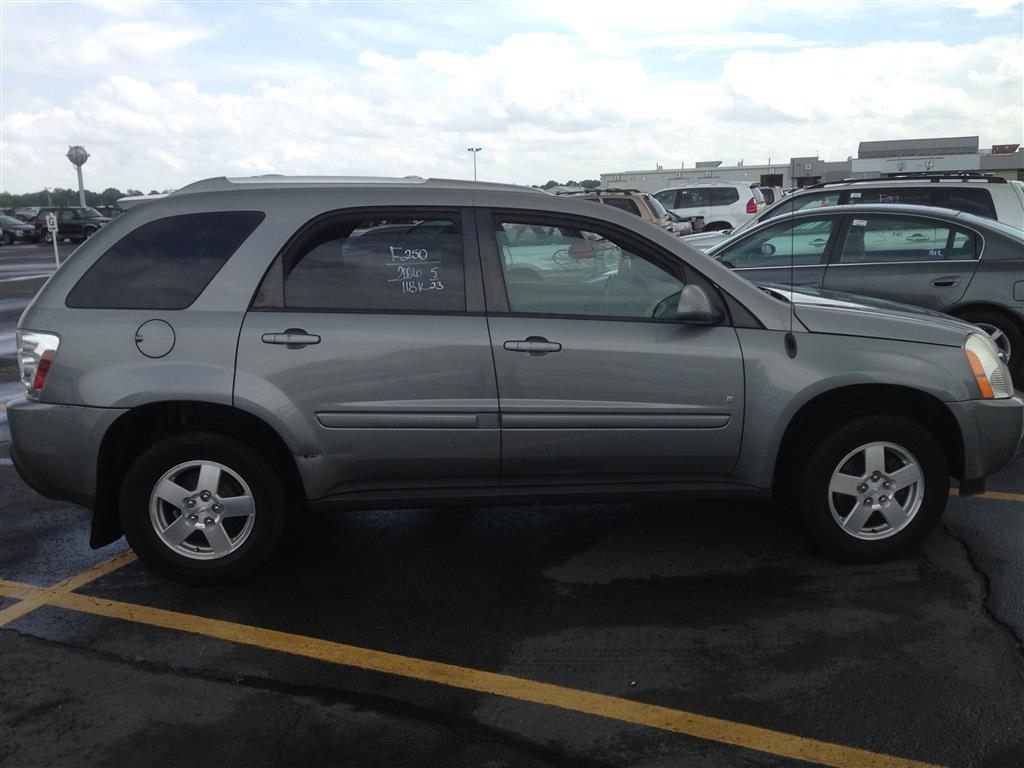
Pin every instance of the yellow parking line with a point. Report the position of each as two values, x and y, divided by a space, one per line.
37 597
995 495
601 705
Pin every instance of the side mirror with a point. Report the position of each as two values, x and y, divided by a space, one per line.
695 307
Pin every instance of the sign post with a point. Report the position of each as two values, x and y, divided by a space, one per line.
51 226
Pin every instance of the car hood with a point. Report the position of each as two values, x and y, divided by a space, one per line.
850 314
702 241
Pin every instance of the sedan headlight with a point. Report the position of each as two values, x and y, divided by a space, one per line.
990 372
35 356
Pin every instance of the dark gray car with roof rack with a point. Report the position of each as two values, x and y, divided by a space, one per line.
217 362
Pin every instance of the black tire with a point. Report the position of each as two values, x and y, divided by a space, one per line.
88 232
1014 337
829 448
8 238
47 237
717 226
268 522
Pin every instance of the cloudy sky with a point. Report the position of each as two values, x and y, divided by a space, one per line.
166 93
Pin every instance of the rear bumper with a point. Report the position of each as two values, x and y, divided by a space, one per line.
55 448
993 434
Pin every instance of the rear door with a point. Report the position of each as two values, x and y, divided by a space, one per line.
693 201
916 260
791 251
598 382
368 339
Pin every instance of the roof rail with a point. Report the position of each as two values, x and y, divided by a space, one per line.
931 177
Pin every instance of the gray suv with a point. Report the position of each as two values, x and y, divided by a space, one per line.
217 362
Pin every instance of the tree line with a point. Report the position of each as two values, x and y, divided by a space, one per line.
586 184
69 196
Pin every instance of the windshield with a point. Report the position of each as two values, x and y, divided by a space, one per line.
656 207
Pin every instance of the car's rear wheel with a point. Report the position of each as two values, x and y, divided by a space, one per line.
873 488
47 237
8 238
1006 335
202 508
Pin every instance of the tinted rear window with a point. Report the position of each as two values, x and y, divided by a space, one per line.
725 195
624 203
164 264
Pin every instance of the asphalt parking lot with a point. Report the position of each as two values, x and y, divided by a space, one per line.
703 634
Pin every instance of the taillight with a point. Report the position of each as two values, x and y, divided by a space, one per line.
36 352
751 206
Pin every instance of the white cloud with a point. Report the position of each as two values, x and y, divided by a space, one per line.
553 104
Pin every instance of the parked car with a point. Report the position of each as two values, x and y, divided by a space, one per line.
243 350
73 223
771 194
645 206
964 265
722 205
991 197
14 230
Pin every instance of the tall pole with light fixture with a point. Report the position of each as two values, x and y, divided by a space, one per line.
474 150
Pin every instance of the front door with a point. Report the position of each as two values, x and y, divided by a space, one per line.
367 344
597 380
915 260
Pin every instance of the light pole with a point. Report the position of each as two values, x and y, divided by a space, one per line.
474 150
77 155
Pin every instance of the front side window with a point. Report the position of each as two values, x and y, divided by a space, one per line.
382 262
623 203
562 270
897 238
163 264
787 243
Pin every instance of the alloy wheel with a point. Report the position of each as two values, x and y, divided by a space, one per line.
876 490
202 510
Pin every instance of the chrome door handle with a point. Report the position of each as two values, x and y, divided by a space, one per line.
534 345
292 338
946 282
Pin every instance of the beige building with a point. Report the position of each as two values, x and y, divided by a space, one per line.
874 158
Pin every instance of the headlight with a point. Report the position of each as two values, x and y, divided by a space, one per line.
990 372
35 356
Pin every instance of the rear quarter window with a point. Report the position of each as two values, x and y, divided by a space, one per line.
163 264
725 195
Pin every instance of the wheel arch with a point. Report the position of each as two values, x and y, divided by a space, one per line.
984 306
135 430
841 405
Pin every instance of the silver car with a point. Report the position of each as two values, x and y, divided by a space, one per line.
215 363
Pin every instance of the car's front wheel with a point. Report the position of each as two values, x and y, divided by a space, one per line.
873 488
202 508
47 237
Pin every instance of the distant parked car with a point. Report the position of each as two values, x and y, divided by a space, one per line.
964 265
991 197
75 223
722 205
14 230
772 195
644 205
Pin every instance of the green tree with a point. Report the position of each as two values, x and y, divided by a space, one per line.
590 183
549 184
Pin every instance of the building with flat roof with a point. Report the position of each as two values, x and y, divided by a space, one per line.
874 158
